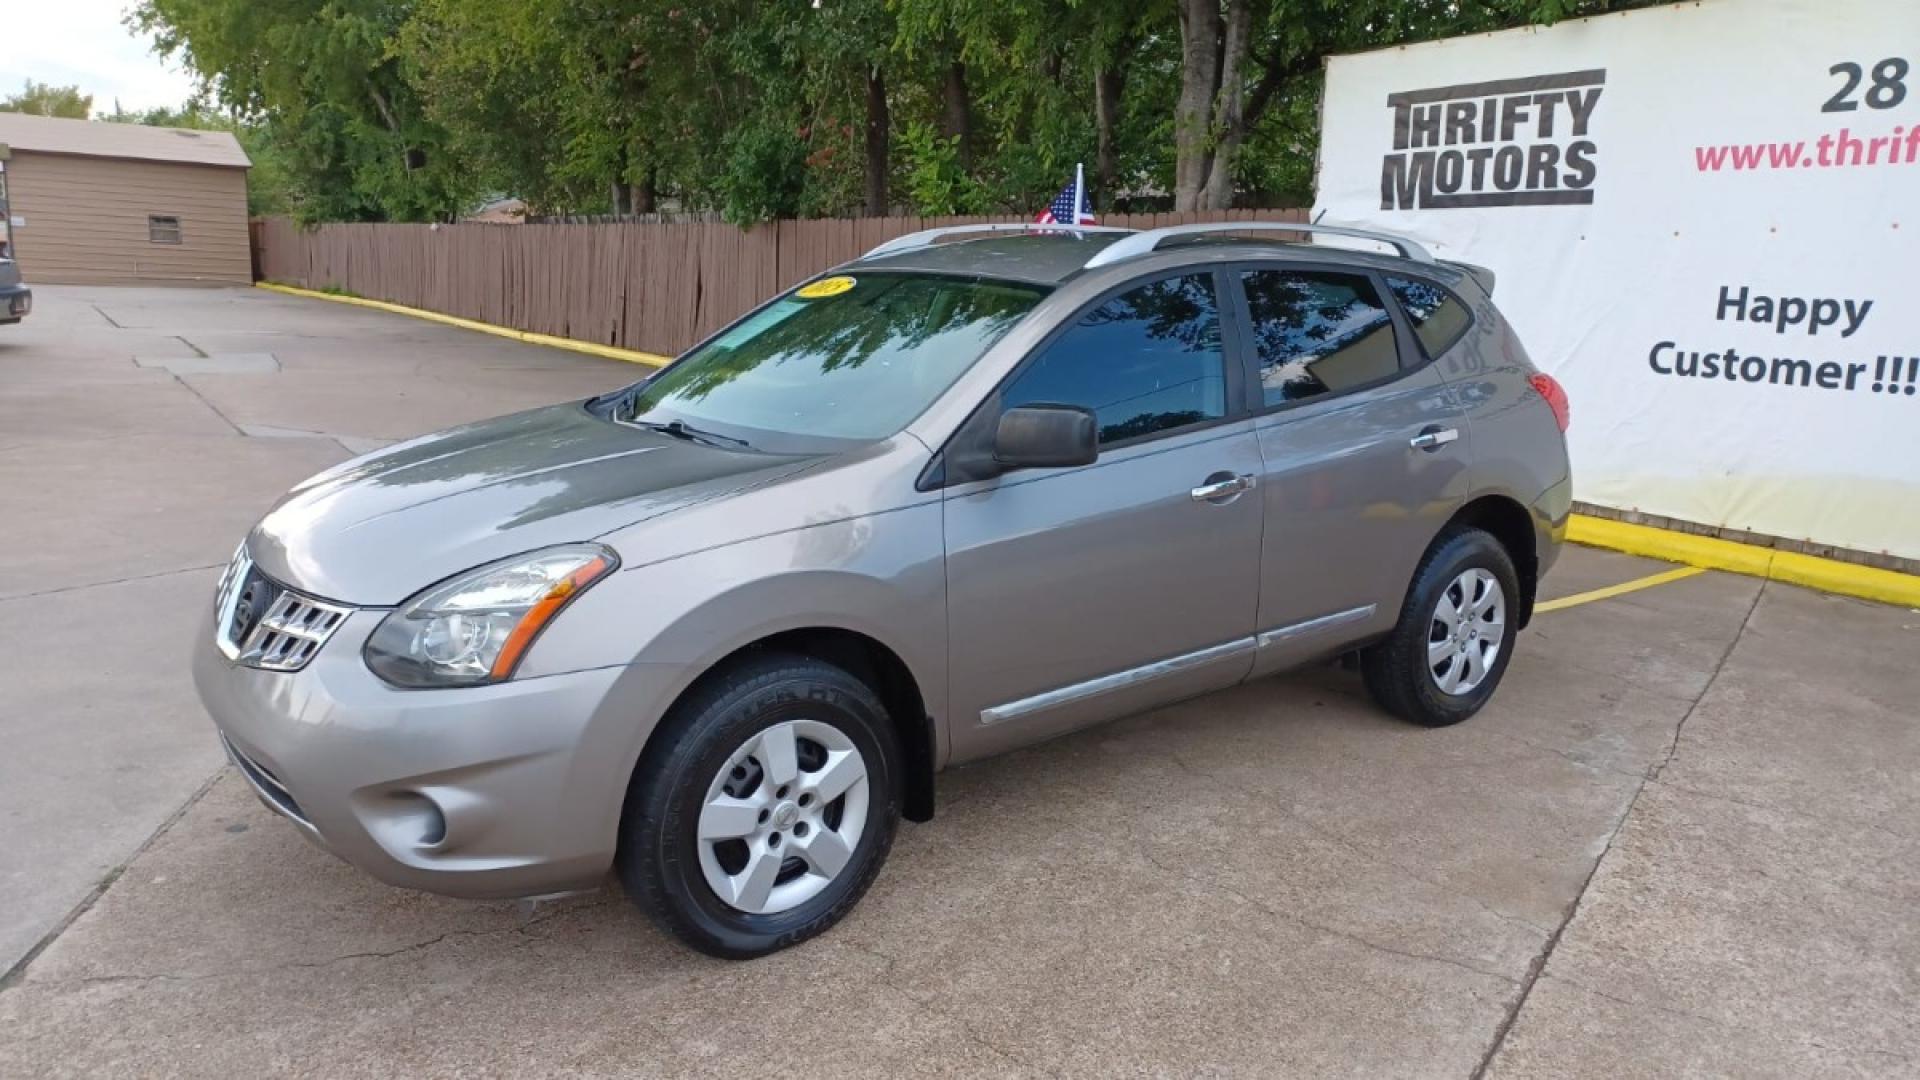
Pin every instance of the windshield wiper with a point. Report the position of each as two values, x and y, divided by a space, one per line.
680 429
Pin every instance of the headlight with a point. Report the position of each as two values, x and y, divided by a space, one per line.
474 628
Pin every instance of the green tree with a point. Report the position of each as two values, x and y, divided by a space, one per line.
753 108
1241 60
410 109
336 100
41 99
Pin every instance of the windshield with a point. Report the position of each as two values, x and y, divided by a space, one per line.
845 357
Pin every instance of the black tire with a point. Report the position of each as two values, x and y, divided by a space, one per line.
659 860
1395 669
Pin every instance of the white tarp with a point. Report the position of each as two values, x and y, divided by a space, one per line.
1704 220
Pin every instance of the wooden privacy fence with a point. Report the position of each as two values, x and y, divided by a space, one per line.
653 287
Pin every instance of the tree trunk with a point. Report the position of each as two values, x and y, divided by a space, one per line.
1228 116
1108 83
957 113
617 195
407 153
1200 34
1211 119
877 130
646 193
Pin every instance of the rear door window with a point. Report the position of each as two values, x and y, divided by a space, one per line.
1146 361
1317 333
1438 316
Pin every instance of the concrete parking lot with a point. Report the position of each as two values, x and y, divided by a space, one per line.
1683 839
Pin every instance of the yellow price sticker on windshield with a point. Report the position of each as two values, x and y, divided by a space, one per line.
825 287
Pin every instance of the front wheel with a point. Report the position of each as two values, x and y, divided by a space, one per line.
1446 655
764 808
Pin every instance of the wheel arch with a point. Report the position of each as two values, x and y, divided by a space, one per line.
1509 522
874 663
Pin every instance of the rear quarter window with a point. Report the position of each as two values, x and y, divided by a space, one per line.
1439 318
1317 333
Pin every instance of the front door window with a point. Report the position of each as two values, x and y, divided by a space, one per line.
1147 361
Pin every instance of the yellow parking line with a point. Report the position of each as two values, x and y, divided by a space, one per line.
631 356
1621 589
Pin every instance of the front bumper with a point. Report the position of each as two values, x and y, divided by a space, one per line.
16 303
487 792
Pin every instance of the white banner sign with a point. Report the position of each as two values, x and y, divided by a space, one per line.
1705 222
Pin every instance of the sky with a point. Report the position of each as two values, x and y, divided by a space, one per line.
82 43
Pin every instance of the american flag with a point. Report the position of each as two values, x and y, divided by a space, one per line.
1071 206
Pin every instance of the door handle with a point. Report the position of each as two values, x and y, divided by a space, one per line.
1433 438
1221 488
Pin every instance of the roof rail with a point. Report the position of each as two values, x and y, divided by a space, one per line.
926 237
1145 243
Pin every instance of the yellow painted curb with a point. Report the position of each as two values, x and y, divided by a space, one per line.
631 356
1827 575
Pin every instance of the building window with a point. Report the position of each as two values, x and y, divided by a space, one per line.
163 229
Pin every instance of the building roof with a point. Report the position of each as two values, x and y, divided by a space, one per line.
101 138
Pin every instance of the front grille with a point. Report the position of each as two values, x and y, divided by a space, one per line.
263 624
263 780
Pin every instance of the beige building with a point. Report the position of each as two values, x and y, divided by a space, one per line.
94 202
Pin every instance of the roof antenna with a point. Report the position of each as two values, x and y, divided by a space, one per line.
1318 216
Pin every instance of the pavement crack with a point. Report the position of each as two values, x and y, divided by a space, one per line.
112 581
1673 748
371 954
99 980
1344 935
520 929
211 407
1611 770
885 978
16 974
1538 966
102 312
197 350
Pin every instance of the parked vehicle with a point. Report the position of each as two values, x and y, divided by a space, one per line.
719 629
16 300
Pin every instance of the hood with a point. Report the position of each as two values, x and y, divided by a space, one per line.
379 528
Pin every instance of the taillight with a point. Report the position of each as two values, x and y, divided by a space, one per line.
1556 395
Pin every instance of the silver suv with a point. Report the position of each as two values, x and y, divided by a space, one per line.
719 629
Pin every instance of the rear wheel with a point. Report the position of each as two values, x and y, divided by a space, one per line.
764 807
1446 656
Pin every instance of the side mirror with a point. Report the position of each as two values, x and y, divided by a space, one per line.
1046 436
